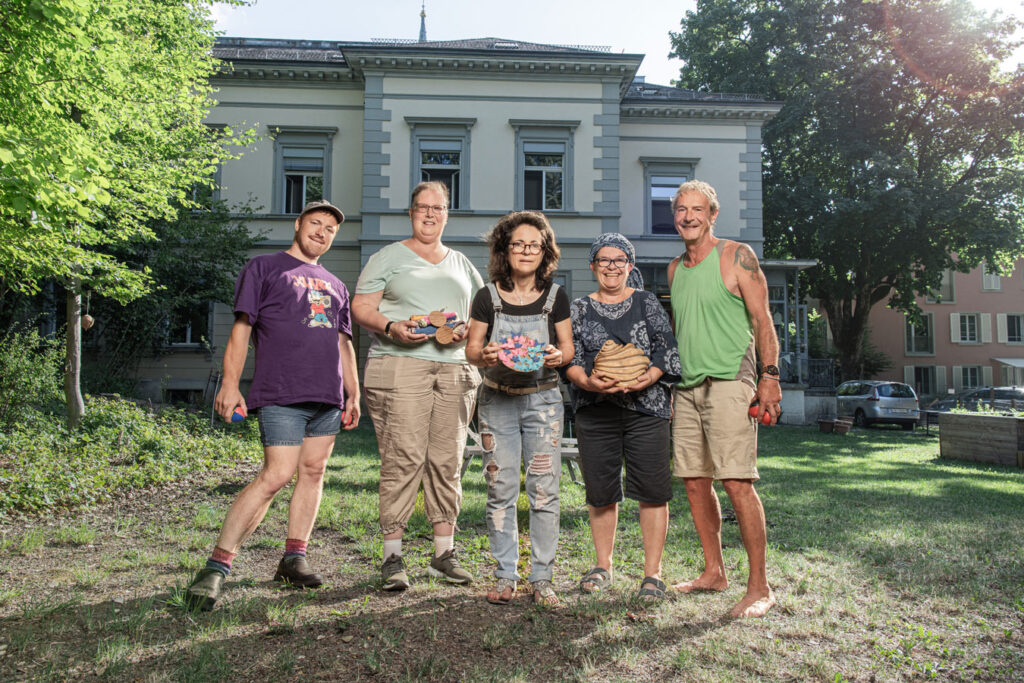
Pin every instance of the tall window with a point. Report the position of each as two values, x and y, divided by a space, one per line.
969 327
303 177
544 164
990 282
970 376
945 293
924 380
302 166
441 160
920 339
1010 328
189 326
1015 329
543 172
440 152
662 177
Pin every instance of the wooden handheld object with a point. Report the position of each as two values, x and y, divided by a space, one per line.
623 363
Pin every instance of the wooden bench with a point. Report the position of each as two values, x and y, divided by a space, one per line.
570 453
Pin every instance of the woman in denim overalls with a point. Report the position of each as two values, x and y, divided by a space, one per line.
520 407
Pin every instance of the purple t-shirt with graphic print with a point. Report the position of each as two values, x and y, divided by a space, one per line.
296 310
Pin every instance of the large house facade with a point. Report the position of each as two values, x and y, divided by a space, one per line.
508 125
971 334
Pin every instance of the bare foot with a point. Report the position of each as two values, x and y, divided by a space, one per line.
704 582
753 605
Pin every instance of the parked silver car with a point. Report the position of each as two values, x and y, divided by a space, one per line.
870 401
999 399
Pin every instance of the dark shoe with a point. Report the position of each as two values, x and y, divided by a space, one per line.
447 567
393 573
205 589
652 590
294 570
596 580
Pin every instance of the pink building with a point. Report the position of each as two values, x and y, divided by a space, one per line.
972 335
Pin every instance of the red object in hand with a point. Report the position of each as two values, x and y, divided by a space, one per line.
766 419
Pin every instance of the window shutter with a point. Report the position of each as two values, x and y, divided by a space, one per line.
908 374
1001 335
940 379
958 379
986 375
986 328
954 328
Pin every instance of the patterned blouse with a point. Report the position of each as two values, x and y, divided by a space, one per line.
639 320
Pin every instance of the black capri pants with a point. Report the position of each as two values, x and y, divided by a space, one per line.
610 436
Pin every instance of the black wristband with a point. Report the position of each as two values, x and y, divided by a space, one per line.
387 328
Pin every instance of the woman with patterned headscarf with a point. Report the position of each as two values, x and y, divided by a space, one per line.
623 422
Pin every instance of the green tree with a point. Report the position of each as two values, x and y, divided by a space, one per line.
893 157
193 261
101 132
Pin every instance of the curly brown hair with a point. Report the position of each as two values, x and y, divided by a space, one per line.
498 239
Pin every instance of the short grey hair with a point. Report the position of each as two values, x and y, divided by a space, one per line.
700 187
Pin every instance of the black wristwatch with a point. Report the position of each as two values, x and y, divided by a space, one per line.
387 330
770 370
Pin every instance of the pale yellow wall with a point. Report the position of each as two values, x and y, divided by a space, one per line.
492 139
252 174
718 163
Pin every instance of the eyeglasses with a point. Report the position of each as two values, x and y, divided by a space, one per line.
425 208
526 248
605 262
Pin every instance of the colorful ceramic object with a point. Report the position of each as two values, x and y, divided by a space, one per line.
429 323
521 353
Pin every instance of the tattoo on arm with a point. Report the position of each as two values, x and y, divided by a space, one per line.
746 260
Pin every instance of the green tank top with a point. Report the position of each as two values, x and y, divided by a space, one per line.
712 327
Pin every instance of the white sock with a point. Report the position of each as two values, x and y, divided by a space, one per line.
392 547
443 544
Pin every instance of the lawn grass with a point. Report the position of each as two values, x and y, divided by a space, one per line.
888 563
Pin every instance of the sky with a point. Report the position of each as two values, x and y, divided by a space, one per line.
640 26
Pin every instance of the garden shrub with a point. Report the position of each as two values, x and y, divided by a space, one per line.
118 446
31 369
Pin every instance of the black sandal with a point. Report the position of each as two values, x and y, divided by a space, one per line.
598 578
652 590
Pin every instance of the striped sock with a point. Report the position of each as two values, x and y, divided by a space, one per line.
294 546
220 560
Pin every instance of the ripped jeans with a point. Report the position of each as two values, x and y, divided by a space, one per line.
522 431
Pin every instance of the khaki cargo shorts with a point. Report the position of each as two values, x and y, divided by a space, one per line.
712 434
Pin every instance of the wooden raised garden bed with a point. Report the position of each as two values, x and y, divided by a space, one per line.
995 439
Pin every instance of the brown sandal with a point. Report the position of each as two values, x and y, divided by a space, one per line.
503 593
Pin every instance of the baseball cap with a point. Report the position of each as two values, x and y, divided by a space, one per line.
323 205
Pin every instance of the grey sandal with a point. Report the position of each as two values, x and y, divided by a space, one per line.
652 590
598 579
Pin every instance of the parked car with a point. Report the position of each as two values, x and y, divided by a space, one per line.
870 402
999 399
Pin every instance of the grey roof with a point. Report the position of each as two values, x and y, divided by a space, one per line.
330 51
498 44
274 50
649 93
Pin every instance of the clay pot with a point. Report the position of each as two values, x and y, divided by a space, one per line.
87 321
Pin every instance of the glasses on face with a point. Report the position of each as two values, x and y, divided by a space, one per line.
605 262
526 247
426 208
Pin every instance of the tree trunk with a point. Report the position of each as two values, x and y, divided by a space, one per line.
848 331
73 365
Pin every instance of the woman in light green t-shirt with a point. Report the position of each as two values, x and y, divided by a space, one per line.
420 393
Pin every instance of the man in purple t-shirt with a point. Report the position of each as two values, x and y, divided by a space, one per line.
304 389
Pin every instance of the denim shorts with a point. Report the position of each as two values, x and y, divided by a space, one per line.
289 425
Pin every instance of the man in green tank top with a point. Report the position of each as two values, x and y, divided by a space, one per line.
720 308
